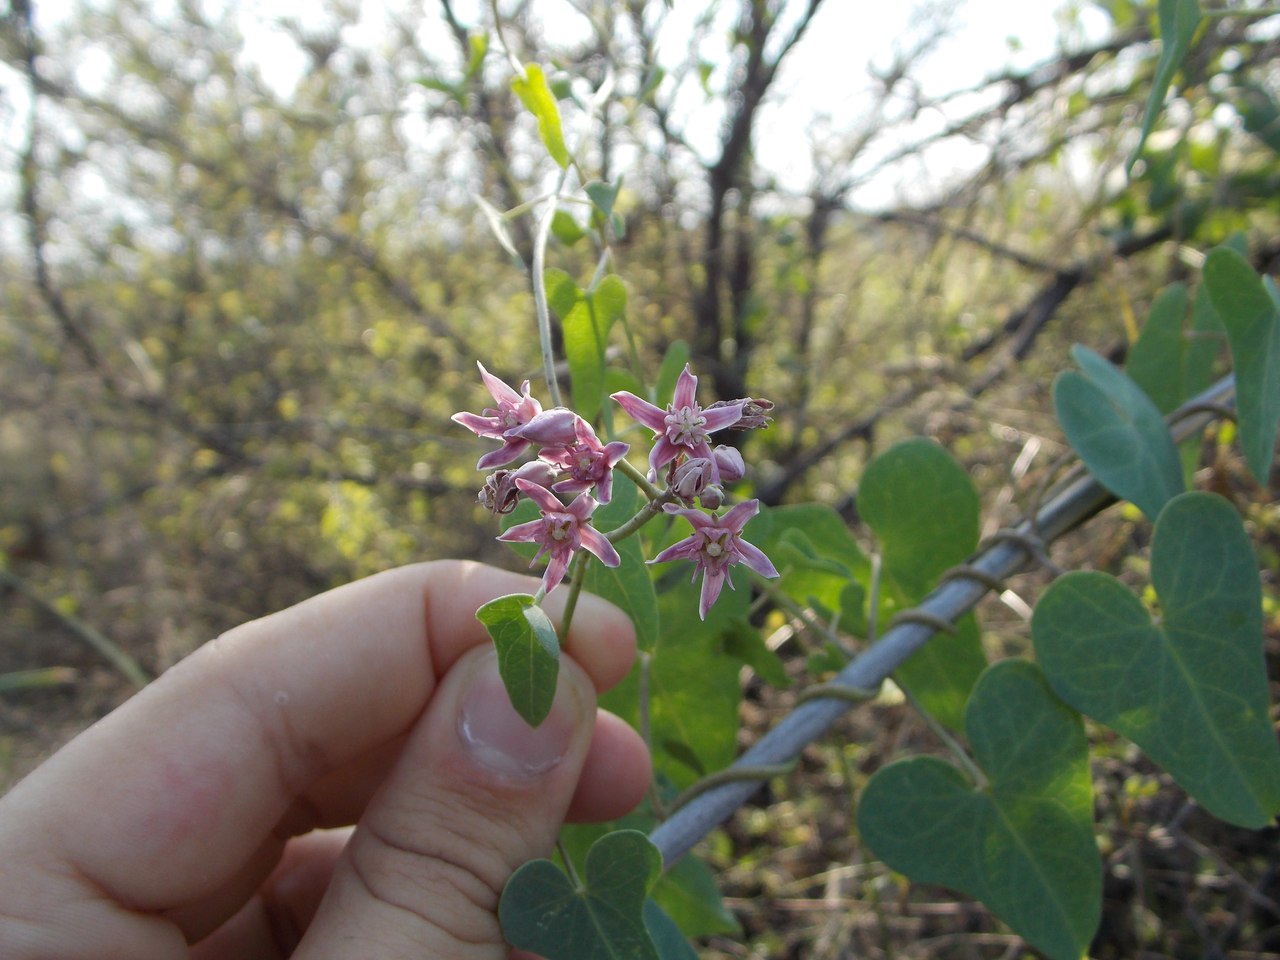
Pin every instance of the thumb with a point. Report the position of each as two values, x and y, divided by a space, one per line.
476 793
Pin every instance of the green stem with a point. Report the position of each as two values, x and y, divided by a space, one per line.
647 513
640 480
575 588
966 763
115 655
776 595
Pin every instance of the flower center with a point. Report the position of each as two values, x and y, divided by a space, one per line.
559 528
685 426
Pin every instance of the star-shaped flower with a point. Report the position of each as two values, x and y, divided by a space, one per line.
684 426
588 462
560 532
716 545
499 423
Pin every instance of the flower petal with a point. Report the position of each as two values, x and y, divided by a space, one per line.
686 392
711 584
490 427
529 531
497 389
663 452
642 411
738 515
686 549
755 558
720 417
597 543
510 450
546 500
581 508
556 568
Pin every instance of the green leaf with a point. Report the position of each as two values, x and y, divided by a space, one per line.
562 293
1260 114
528 653
478 46
586 333
687 892
1157 362
628 585
671 944
542 912
1178 22
603 195
923 509
565 229
534 93
673 361
1025 845
37 678
1118 432
1191 689
746 643
823 552
1249 314
693 687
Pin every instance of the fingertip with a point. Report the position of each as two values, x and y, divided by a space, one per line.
602 639
615 774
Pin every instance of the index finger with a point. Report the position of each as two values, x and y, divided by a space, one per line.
167 798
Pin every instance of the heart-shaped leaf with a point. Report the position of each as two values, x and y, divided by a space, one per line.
1118 432
1025 844
924 510
528 653
1249 313
604 919
1191 689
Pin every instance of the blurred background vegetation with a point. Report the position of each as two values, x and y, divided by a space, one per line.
246 278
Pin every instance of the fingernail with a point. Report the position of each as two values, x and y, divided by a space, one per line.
500 739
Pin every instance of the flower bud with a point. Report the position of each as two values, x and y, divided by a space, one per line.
691 478
500 493
729 462
755 412
554 427
712 496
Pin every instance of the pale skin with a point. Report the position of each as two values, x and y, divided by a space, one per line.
211 815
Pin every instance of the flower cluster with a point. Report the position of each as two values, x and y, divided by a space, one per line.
571 461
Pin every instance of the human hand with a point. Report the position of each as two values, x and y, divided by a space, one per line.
201 811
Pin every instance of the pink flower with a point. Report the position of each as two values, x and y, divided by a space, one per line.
716 545
560 532
683 427
500 423
588 462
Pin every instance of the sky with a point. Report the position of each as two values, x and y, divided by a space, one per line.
823 85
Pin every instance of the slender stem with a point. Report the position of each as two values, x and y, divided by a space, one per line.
775 594
539 281
873 609
568 863
641 481
647 513
575 588
952 744
118 658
